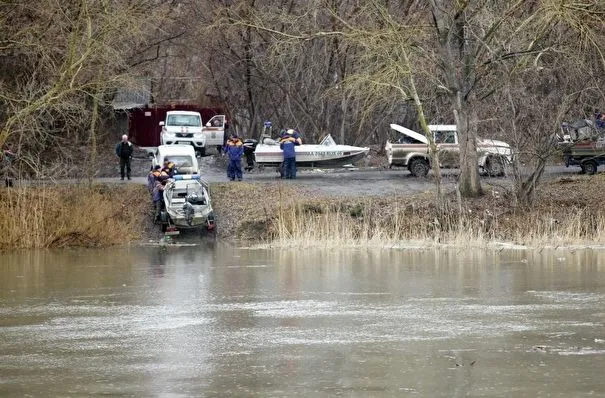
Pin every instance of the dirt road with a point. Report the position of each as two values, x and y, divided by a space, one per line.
338 182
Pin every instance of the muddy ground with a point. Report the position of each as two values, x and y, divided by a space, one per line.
371 177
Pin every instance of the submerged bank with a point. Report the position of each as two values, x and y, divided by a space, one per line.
567 211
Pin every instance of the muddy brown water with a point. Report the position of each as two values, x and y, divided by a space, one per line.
211 320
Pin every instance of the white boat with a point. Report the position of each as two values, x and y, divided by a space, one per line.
187 204
326 154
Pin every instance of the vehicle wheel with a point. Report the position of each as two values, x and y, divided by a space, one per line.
494 166
201 152
590 167
419 167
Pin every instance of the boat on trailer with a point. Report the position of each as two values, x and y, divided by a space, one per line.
187 204
326 154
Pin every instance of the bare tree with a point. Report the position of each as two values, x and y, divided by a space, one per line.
59 61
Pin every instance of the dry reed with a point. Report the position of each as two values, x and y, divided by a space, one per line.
70 215
371 223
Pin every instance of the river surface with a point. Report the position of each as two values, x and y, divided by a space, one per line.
217 321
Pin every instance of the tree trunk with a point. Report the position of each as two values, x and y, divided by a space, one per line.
466 126
457 51
92 160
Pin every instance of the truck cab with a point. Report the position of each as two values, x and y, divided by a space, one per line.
183 157
183 128
582 144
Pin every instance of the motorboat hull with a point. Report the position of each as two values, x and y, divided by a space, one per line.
327 154
183 212
303 159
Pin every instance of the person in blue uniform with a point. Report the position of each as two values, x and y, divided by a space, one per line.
288 142
234 149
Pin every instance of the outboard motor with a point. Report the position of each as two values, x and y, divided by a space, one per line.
189 212
249 148
195 198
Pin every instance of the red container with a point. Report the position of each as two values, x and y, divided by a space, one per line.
144 123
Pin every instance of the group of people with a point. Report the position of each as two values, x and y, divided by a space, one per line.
235 148
156 182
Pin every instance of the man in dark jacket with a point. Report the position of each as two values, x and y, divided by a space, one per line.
288 143
124 152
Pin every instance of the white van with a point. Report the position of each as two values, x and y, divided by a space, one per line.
183 127
183 157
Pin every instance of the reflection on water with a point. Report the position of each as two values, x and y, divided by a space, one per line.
215 320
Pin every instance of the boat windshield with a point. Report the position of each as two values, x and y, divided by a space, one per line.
328 141
180 161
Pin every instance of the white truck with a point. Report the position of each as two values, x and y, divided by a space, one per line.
183 157
186 128
411 150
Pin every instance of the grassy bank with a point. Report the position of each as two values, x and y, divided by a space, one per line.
71 215
567 212
387 223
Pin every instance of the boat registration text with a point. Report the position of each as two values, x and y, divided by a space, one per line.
321 154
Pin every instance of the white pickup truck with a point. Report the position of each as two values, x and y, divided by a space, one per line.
185 127
411 150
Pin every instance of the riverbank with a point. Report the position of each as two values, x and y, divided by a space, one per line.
568 211
72 215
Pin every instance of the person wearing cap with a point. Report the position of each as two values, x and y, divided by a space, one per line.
169 168
288 143
124 151
234 148
153 175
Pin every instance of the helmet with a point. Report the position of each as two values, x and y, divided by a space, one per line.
290 131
